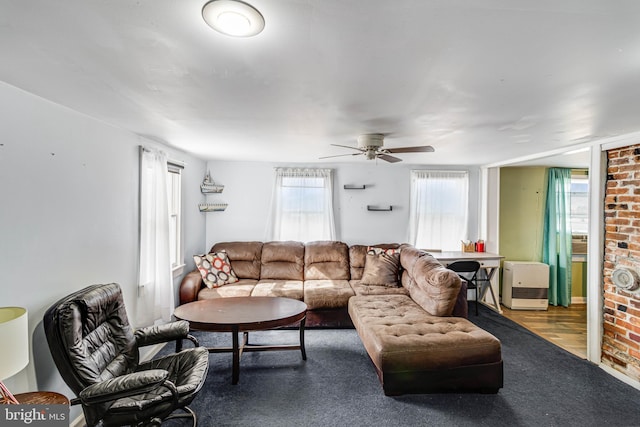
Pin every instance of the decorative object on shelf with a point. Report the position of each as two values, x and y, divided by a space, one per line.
379 208
354 187
14 336
208 186
212 207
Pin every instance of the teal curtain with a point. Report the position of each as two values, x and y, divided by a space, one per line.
556 246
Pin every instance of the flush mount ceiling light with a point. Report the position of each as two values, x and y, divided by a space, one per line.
233 18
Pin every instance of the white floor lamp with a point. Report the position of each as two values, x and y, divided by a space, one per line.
14 336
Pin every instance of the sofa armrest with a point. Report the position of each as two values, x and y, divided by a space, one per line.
461 309
190 286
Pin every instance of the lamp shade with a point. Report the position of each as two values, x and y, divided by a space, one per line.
14 337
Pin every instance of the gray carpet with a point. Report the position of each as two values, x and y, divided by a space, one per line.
337 386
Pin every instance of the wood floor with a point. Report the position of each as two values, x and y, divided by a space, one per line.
565 327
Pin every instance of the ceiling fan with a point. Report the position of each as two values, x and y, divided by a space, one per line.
371 145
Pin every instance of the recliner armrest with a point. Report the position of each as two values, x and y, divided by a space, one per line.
125 386
162 333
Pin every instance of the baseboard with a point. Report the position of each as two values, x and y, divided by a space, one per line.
148 354
619 375
78 422
578 300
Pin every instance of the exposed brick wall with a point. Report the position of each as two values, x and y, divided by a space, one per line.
621 338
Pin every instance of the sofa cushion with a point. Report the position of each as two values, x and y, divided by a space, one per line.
241 288
358 257
244 257
279 288
381 267
320 294
361 289
282 260
434 287
326 260
215 269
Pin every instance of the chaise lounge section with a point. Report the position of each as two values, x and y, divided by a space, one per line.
415 346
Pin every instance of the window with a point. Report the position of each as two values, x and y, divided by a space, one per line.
579 205
438 209
174 195
155 287
302 205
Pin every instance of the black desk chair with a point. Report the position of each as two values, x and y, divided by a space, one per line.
468 271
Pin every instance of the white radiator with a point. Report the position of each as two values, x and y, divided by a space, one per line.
525 285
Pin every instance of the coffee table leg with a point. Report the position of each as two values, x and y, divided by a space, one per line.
235 368
304 353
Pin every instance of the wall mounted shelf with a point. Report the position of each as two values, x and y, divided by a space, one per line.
354 187
380 208
208 186
211 188
212 207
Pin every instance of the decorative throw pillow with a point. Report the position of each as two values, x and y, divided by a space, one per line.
215 269
381 267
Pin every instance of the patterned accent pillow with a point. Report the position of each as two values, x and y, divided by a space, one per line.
382 267
215 269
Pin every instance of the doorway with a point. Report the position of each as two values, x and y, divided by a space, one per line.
521 213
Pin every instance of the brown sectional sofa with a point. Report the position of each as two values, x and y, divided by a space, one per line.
322 274
416 333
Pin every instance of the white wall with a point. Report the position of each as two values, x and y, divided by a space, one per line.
69 213
248 188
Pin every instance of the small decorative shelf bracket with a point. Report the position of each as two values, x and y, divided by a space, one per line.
380 208
354 187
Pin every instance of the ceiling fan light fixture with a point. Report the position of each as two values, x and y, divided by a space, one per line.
233 18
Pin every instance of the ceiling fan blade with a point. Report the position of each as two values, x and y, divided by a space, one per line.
389 158
346 146
340 155
422 149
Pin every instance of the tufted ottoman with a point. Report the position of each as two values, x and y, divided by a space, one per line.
414 352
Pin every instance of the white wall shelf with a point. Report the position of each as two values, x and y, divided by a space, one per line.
212 207
380 208
210 187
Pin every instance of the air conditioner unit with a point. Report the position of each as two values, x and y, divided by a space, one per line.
525 285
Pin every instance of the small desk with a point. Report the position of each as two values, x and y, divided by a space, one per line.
489 262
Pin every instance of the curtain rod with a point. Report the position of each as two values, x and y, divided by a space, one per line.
177 163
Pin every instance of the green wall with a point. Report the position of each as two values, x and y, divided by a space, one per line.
522 199
522 195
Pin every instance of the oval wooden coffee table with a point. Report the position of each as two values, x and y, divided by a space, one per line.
244 314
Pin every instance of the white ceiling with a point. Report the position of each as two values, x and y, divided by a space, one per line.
481 81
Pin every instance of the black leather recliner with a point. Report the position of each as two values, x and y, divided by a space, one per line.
96 352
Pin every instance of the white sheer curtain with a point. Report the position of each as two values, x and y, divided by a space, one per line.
155 287
438 209
302 205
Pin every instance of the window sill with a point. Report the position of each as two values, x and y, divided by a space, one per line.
177 270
